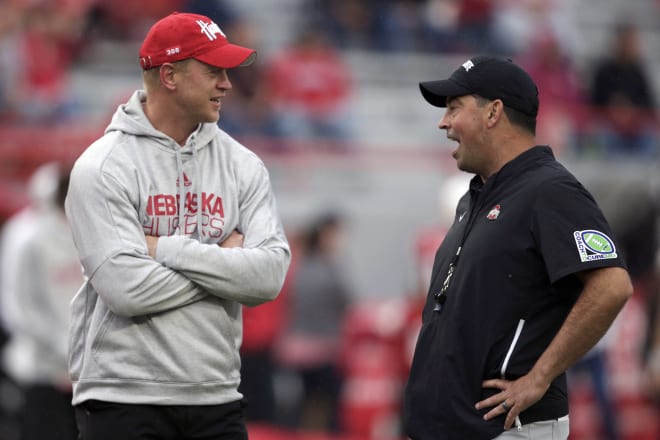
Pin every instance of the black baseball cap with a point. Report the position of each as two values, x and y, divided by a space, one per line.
488 76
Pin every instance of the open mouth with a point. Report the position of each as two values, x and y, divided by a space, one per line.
216 103
458 142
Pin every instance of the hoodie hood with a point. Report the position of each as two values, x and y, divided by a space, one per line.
131 119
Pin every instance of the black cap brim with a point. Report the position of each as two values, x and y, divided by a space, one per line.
437 92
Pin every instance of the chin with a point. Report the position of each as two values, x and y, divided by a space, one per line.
465 167
212 119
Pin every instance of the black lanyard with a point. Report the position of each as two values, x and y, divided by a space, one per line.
441 296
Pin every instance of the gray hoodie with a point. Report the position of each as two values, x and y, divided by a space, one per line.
167 330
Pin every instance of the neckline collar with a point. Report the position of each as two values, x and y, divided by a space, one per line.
514 166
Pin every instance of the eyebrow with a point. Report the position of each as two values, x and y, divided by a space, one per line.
453 99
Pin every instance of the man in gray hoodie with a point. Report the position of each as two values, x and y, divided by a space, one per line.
176 227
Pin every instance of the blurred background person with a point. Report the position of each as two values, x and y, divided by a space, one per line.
44 40
309 86
40 274
15 231
263 325
562 114
623 98
309 348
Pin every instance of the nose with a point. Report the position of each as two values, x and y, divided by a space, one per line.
223 81
444 122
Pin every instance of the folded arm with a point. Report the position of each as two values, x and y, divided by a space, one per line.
113 250
251 273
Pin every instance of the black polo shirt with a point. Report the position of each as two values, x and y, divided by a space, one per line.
523 235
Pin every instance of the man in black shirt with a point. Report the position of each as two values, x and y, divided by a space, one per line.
623 99
527 280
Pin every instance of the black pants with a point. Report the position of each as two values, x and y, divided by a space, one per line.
117 421
47 414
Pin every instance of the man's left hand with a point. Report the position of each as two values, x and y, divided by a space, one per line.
514 397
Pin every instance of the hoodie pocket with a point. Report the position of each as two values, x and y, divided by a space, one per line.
191 344
512 347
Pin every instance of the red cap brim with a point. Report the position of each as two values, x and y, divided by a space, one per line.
228 56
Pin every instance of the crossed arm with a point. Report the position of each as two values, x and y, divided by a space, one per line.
234 240
136 275
605 292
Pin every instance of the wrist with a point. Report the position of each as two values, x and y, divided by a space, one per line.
541 376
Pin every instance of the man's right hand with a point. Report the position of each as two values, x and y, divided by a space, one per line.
235 239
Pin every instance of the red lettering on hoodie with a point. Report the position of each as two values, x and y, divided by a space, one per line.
161 204
167 204
213 204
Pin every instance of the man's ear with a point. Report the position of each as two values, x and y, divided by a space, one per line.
495 111
167 72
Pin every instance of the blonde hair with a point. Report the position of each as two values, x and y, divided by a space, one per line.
151 78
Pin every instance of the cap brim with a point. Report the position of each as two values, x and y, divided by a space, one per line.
228 56
437 92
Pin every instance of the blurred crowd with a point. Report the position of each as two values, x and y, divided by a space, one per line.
302 89
320 358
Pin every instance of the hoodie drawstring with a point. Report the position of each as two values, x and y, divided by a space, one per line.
198 188
182 188
182 193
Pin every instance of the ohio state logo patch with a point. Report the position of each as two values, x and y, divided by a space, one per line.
494 213
594 245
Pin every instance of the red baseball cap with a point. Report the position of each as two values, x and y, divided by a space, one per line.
181 35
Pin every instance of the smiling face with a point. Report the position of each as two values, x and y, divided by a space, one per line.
466 121
200 91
